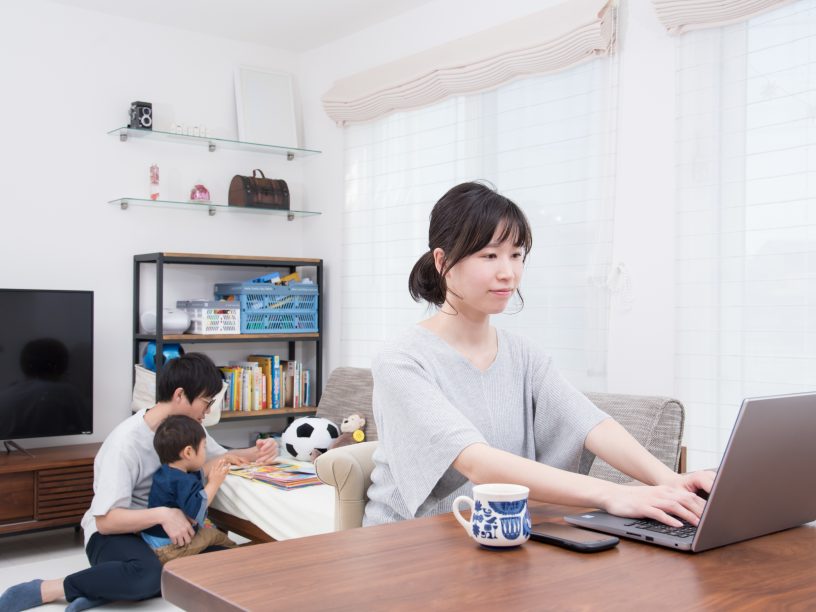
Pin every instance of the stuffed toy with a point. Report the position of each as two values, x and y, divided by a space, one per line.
351 432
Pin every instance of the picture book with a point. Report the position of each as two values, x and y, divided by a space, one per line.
285 476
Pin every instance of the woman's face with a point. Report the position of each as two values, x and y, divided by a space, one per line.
486 280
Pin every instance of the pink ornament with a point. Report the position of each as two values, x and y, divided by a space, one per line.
154 182
200 193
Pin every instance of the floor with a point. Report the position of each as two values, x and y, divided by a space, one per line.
55 553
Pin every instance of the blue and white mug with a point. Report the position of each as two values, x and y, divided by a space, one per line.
498 514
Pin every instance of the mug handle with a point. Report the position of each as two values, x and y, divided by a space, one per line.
457 514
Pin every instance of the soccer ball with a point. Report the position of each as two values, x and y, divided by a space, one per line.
307 434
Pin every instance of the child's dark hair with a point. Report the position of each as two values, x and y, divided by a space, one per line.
176 433
463 222
195 373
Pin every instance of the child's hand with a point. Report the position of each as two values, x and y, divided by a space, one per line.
219 471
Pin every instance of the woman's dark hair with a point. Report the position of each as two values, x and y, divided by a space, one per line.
195 373
174 434
463 222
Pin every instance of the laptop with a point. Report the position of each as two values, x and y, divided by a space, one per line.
766 481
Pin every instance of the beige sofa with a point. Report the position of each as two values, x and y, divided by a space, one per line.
656 422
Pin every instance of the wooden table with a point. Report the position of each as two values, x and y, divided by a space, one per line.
430 563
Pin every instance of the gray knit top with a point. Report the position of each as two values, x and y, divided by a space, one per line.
430 403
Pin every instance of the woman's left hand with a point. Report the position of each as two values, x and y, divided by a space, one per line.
694 481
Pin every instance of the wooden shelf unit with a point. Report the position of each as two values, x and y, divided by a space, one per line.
160 260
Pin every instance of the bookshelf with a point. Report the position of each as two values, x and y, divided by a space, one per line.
161 261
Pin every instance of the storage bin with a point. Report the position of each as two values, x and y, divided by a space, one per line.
212 317
268 308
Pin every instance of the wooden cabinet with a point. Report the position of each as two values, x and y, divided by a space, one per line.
53 488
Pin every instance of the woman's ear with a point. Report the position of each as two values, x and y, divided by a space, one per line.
439 259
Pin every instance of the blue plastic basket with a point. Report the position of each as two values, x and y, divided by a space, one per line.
268 308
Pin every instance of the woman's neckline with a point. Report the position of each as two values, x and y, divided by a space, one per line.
452 349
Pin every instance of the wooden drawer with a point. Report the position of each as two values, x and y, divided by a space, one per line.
64 492
18 497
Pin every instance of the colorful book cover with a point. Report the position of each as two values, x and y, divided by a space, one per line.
285 476
276 382
287 383
308 386
265 363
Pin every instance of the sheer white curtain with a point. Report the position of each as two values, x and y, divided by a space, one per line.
546 142
746 221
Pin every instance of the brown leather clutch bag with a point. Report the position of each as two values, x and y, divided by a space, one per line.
258 192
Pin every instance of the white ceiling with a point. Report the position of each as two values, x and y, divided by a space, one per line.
293 25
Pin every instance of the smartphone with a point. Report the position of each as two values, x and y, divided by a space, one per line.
572 538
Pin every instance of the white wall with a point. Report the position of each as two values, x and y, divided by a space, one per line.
641 348
641 341
68 76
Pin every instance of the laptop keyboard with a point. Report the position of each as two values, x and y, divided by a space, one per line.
687 530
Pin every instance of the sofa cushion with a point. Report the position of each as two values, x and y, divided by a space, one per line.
656 422
348 391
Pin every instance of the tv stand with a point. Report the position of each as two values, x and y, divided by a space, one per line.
12 445
45 488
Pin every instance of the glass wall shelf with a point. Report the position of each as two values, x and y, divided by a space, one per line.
213 143
210 207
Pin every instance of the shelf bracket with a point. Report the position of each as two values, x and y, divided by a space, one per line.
211 146
290 156
123 136
123 204
290 216
211 211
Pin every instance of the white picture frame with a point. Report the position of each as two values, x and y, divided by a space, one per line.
265 103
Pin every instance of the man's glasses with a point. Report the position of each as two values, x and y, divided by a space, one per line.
209 402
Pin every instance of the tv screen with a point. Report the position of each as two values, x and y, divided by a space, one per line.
46 363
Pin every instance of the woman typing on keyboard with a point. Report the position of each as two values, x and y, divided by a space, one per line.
459 402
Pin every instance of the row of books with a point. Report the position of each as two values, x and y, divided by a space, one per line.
266 382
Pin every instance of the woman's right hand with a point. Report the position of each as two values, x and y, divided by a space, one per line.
661 503
177 526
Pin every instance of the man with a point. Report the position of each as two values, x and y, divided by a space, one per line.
123 567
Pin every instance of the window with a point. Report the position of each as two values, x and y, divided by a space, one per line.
545 142
746 220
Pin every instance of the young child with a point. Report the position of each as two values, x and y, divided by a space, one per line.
181 445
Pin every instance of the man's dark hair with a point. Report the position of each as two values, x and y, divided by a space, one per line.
176 433
195 373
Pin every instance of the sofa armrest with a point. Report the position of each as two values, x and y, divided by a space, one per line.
348 470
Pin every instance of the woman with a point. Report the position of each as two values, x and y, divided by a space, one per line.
458 402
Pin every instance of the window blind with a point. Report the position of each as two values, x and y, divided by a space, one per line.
746 219
547 143
546 41
683 15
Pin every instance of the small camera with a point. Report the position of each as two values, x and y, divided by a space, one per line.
141 116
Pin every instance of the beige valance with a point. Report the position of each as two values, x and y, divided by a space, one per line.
682 15
545 41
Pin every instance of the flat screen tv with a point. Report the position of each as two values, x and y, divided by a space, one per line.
46 363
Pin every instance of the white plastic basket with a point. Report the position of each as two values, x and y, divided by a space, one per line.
212 317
